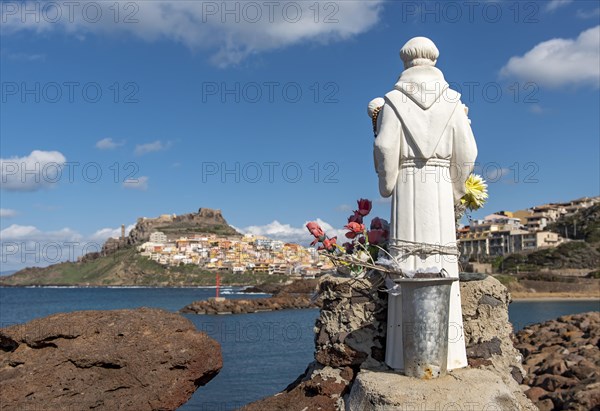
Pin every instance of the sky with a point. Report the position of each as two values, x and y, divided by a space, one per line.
112 111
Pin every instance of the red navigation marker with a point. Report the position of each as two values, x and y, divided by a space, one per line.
218 284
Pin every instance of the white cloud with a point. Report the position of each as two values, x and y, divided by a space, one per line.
26 56
7 213
556 4
288 233
108 144
139 183
33 172
16 232
537 109
560 62
26 245
157 145
588 14
494 174
105 233
230 31
344 208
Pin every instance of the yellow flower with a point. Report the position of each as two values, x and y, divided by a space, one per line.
476 192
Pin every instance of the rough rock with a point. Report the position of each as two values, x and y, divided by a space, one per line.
319 388
308 287
464 389
350 330
241 306
206 220
143 359
562 361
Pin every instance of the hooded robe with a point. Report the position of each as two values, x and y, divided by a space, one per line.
424 153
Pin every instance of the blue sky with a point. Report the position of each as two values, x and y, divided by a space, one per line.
261 112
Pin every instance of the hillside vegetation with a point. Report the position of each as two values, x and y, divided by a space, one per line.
583 225
127 267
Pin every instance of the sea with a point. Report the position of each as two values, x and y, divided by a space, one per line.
262 352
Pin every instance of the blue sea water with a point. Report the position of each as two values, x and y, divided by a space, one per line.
262 352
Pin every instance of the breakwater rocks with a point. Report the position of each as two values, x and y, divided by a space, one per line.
295 295
349 372
562 360
143 359
307 287
242 306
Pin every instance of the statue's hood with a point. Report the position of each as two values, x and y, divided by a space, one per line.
422 84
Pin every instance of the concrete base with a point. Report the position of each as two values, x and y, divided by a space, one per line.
464 389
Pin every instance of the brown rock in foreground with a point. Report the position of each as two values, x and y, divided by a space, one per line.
144 359
562 360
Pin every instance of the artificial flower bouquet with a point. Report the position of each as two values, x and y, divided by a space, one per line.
367 249
364 246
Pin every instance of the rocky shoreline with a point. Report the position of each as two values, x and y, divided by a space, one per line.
248 306
296 295
562 361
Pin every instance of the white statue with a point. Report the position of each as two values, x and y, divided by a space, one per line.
424 151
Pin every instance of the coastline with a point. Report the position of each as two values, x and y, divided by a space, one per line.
226 286
554 299
528 297
516 296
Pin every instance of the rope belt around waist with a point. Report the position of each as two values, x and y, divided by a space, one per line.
408 248
421 162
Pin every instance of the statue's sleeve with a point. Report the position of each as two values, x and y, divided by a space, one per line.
387 150
464 154
377 128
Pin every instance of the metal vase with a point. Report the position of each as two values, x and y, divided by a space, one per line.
425 312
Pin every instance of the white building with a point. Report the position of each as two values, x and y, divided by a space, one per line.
158 237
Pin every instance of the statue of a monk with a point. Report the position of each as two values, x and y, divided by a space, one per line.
424 152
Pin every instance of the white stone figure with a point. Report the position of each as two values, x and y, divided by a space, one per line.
424 152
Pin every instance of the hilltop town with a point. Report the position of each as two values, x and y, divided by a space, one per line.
246 254
206 240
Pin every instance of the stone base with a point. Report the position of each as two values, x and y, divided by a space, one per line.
463 389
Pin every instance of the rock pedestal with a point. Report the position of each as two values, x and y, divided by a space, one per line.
350 336
351 327
462 389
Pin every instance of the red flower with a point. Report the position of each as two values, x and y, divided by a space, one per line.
364 206
379 224
315 229
355 218
355 229
377 237
349 247
329 244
